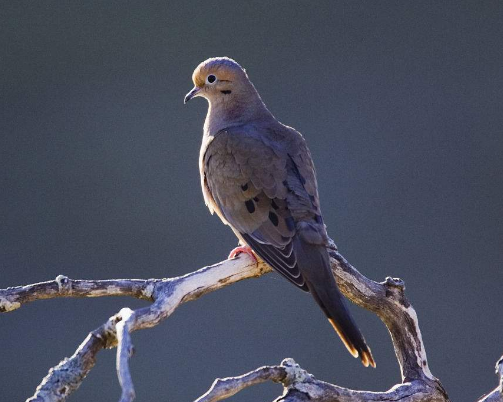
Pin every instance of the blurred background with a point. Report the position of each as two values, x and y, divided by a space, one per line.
400 102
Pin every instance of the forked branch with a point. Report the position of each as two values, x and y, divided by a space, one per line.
386 299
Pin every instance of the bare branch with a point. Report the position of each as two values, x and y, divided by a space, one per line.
497 394
124 351
224 388
67 376
299 385
167 294
386 299
12 298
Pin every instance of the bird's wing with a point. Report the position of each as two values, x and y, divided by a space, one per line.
265 189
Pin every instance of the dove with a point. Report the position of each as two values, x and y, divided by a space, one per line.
258 176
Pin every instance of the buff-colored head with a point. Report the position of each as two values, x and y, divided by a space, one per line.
219 78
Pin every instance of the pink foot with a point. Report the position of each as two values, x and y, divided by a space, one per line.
245 250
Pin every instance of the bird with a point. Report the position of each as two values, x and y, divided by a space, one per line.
258 176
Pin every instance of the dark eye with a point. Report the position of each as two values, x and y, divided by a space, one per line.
210 79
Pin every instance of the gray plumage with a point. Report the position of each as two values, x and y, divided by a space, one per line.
258 176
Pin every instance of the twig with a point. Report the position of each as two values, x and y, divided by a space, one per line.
124 351
223 388
67 376
14 297
496 395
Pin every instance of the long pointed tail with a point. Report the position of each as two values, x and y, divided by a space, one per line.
314 264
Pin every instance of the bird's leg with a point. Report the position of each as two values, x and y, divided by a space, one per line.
243 249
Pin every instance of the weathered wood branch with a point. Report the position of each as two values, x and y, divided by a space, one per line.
166 294
223 388
299 385
496 395
125 350
14 297
385 299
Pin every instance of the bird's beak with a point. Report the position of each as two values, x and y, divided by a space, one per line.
191 94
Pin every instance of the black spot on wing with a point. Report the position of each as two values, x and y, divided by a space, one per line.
244 187
274 205
273 218
250 206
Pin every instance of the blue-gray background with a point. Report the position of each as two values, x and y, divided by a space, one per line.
401 104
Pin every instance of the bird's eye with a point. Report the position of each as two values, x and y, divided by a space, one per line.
210 79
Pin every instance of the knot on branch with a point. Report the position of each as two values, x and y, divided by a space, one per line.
64 284
294 373
7 305
108 333
395 289
397 283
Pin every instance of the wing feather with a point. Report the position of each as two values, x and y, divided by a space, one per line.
258 190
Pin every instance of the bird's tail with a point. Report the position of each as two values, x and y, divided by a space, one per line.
314 264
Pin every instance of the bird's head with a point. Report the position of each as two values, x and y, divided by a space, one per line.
218 79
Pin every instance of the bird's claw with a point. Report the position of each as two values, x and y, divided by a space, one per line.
243 250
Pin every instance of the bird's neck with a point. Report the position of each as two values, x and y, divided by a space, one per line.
235 110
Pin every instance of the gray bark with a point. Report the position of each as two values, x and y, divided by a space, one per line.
386 299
